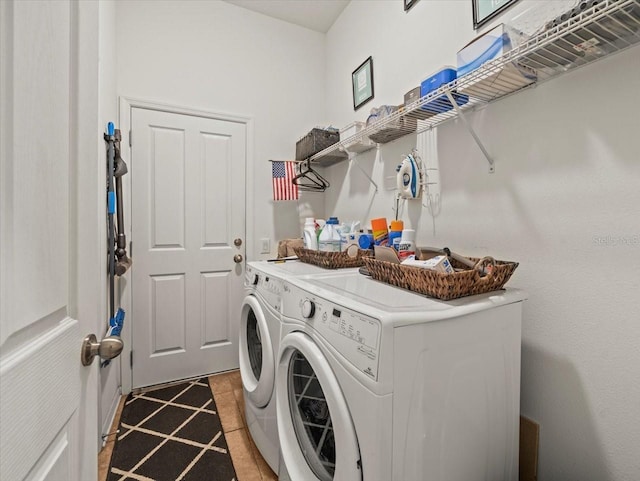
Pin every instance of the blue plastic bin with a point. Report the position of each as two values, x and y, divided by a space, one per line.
442 103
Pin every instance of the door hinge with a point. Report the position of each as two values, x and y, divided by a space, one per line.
129 138
131 358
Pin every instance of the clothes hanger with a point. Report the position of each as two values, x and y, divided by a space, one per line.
308 179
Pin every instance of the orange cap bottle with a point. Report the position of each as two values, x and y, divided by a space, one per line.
395 233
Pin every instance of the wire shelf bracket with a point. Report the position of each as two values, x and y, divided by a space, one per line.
492 167
353 159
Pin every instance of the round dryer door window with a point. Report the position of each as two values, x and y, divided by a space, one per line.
311 417
317 437
257 365
254 344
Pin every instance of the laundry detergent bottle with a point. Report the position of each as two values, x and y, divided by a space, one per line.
329 239
309 234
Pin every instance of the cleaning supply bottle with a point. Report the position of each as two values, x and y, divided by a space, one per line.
329 239
337 239
380 231
395 233
407 246
309 234
365 240
319 226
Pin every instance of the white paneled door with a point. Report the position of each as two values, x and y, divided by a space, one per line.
50 138
188 233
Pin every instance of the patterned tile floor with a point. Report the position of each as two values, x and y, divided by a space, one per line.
186 458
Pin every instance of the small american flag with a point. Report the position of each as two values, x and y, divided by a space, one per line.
283 173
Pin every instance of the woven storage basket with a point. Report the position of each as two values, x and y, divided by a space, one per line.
315 141
331 260
442 286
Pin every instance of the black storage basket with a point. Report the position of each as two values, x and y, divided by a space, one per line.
314 142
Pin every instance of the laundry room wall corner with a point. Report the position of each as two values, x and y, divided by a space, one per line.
218 57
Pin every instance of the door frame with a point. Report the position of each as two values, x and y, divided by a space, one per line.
89 240
126 105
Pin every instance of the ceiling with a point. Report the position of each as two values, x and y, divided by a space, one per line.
317 15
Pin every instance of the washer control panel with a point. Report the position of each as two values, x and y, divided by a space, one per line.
355 335
270 288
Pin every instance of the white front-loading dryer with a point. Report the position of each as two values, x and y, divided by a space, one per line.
259 340
317 436
331 425
375 383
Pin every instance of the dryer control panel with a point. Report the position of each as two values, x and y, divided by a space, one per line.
271 289
354 335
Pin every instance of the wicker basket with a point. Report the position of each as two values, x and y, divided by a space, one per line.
331 260
443 286
315 141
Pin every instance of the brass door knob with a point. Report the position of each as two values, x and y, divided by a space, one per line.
237 242
237 258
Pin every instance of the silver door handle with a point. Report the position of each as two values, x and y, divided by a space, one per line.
108 348
237 258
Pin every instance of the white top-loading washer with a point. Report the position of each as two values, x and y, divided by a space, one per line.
420 388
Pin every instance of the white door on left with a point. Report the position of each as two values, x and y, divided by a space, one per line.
48 408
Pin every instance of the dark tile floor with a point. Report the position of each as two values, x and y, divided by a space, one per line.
171 434
165 442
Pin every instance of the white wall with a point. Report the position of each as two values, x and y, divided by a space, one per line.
564 190
563 202
109 375
218 57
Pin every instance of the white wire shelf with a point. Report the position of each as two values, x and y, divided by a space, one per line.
607 28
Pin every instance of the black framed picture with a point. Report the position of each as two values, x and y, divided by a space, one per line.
485 10
362 83
409 3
